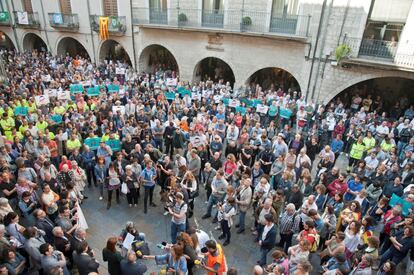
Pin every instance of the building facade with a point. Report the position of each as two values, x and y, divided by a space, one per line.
321 47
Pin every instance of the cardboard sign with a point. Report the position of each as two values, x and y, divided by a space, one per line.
51 92
285 113
93 143
169 95
115 144
260 108
63 95
76 88
42 100
234 103
197 141
112 88
21 111
115 109
171 82
119 70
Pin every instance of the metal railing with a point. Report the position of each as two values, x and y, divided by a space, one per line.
27 19
63 20
228 20
395 53
5 18
117 24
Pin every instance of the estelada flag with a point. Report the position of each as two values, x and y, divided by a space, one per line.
103 28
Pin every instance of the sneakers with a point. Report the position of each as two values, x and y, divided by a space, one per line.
206 216
217 227
135 205
215 220
221 237
100 198
240 231
153 205
130 205
226 243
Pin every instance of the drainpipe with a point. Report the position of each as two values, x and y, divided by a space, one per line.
316 46
133 38
322 48
90 27
13 24
45 27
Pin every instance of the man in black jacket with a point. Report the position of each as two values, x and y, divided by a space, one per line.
83 261
267 239
130 266
45 224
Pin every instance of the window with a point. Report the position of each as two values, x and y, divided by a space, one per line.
65 6
285 7
27 6
158 5
111 7
213 5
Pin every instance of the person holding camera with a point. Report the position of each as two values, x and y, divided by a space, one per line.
178 212
225 213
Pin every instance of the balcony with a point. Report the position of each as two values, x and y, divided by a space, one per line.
117 24
64 21
381 52
5 18
232 21
28 20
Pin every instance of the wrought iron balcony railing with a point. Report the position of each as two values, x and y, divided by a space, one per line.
26 19
64 20
117 24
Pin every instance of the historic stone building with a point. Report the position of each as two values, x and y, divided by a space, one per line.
296 42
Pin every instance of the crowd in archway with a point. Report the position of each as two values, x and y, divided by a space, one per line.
264 160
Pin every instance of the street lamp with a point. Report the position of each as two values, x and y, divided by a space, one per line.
2 68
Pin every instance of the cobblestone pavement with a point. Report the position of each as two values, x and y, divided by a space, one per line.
242 252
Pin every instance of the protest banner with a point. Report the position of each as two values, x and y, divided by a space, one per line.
405 205
76 88
241 110
120 71
169 95
171 82
63 95
93 91
260 108
42 100
50 92
113 88
21 111
234 103
115 144
197 140
93 143
56 118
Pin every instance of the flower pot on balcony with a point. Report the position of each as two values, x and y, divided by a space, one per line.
182 19
245 24
122 28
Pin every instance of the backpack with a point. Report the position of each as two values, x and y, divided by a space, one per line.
315 244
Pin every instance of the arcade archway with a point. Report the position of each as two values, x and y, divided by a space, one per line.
156 57
275 78
33 41
72 47
382 94
215 69
6 43
112 50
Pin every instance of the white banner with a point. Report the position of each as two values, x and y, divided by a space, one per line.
171 82
119 70
42 100
260 108
81 218
234 103
118 108
197 141
50 93
63 95
22 18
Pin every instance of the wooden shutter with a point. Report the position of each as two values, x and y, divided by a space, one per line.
65 6
111 7
27 6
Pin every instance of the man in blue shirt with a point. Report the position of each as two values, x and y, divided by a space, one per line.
147 177
337 146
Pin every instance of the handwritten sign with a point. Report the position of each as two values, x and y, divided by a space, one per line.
115 144
197 141
63 95
120 71
260 108
21 111
93 143
42 100
234 103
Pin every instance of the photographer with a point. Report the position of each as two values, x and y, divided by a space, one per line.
225 213
178 220
165 168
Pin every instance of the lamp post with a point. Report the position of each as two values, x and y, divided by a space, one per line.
2 68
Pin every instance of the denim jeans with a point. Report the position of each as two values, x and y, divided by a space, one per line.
263 253
175 230
242 219
212 201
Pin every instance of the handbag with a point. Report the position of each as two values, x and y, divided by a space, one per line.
124 188
194 194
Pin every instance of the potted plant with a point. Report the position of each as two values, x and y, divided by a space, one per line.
245 23
182 18
342 52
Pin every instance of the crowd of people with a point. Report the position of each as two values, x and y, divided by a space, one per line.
264 160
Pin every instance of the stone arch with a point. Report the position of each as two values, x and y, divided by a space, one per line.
71 46
33 41
364 77
155 55
6 42
111 49
276 76
215 68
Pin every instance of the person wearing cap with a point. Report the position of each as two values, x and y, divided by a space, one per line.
178 216
133 187
215 260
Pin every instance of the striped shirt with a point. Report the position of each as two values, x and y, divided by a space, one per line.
289 224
